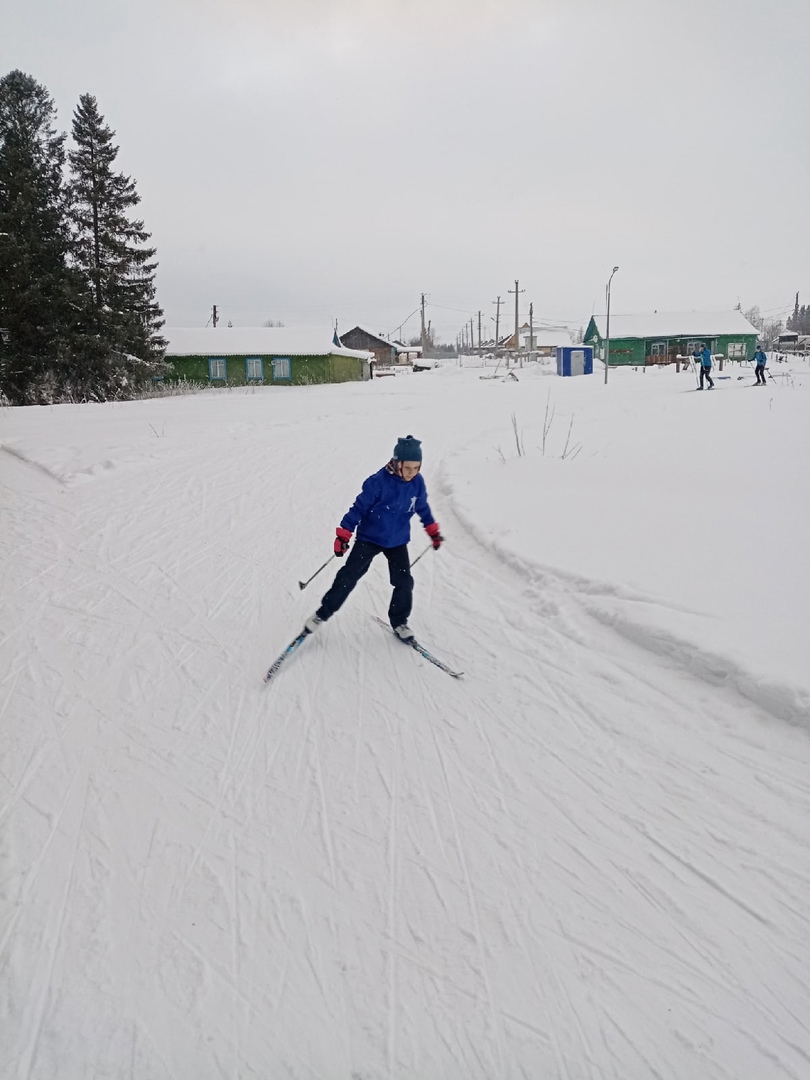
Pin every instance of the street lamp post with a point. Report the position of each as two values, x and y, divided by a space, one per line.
607 327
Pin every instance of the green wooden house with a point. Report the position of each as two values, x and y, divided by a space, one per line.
662 337
262 356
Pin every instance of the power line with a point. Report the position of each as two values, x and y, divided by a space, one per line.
444 307
406 320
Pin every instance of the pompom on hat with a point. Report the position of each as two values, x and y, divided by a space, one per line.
408 449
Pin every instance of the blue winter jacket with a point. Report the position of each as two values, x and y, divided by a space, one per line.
706 358
760 358
382 511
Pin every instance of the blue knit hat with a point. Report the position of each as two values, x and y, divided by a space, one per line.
408 449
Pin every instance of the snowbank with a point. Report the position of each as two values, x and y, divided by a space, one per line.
679 518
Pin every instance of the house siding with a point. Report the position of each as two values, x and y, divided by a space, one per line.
304 370
638 351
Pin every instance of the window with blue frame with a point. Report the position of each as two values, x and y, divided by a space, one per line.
254 369
216 368
281 367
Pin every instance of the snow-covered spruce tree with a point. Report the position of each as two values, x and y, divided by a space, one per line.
43 305
799 321
109 247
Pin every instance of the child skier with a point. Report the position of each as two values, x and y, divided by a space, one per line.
381 514
704 357
760 359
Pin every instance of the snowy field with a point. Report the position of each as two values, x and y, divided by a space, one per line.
587 859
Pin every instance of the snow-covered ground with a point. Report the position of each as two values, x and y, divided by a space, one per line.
587 859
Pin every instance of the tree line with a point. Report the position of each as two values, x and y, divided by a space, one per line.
79 319
771 328
799 321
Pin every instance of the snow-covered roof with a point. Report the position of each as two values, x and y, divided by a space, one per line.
665 324
261 340
381 337
544 338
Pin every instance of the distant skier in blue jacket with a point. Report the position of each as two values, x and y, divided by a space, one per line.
704 358
760 359
382 514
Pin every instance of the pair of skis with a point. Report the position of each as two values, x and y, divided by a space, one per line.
277 664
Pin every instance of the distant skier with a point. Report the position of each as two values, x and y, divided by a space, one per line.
382 514
760 359
703 357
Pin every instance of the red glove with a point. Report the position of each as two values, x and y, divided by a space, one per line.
343 536
435 535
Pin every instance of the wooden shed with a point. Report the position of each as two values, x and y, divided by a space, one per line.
386 353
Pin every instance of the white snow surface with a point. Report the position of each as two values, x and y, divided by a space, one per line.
586 859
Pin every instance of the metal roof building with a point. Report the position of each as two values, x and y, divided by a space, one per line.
661 337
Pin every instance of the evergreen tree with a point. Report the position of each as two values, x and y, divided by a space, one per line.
799 321
42 302
108 247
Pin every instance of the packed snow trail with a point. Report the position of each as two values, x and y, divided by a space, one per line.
579 861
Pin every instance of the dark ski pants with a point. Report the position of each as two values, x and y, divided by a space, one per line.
704 371
357 563
759 371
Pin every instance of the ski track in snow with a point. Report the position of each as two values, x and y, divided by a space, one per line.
580 861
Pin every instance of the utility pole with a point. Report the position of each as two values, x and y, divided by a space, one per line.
517 291
214 316
531 331
497 324
607 328
424 335
479 333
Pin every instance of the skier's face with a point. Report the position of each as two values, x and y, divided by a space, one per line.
410 469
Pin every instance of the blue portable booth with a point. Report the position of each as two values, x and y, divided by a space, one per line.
575 359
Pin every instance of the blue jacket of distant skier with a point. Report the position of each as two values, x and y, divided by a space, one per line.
760 359
382 511
706 357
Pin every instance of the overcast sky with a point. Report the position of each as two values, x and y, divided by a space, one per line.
312 160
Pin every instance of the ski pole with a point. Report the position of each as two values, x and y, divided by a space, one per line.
421 553
303 584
